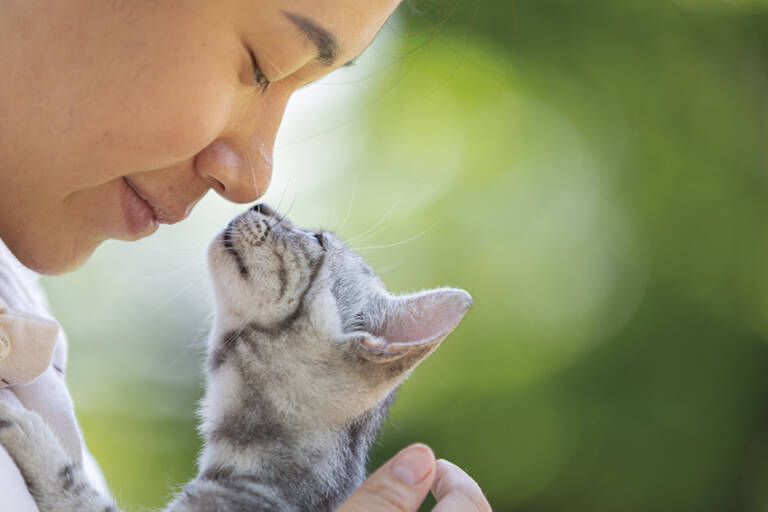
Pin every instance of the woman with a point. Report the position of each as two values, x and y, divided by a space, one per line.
118 116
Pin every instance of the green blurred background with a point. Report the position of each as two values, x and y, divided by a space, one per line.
595 173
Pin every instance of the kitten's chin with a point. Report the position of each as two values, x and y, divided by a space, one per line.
221 257
231 296
218 266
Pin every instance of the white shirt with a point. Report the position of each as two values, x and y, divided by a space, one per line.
33 358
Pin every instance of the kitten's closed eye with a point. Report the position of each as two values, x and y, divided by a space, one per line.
320 239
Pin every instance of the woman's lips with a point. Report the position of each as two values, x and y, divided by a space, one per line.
140 219
164 214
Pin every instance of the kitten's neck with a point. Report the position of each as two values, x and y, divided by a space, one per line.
246 443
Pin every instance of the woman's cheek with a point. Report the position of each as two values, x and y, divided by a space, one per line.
166 115
193 115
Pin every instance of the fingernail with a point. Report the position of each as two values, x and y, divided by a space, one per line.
414 464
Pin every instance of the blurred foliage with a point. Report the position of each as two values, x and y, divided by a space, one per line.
593 172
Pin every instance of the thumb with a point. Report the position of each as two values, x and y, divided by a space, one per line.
400 485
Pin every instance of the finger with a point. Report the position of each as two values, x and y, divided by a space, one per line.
400 485
455 491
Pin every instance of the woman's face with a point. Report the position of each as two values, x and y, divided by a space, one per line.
116 116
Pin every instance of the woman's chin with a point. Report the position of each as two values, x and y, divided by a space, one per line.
49 254
132 236
65 255
53 260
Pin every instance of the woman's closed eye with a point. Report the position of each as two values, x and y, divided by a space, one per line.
259 79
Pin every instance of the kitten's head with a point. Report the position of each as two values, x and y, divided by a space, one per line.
303 317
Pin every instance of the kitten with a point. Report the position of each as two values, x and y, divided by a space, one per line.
306 351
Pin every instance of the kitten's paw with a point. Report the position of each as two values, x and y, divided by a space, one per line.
31 445
54 481
20 430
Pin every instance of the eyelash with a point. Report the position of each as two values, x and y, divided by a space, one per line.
258 76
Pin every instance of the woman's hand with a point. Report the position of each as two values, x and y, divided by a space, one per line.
402 483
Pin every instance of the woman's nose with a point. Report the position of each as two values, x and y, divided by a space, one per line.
238 164
239 172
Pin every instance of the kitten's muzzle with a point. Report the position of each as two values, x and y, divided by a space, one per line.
273 216
264 209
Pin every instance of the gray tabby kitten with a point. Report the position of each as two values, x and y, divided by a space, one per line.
306 351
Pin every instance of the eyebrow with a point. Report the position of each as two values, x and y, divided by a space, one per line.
327 45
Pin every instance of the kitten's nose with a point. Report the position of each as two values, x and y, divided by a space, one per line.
264 209
273 217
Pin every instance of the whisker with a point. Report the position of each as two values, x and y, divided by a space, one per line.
253 174
388 268
162 306
395 244
346 217
175 249
193 266
391 208
231 339
373 234
286 212
282 196
198 343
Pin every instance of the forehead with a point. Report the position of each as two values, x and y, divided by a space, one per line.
354 286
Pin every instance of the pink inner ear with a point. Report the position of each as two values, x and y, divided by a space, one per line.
424 316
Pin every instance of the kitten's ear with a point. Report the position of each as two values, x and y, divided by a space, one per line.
414 325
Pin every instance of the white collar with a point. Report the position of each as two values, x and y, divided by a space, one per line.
26 345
